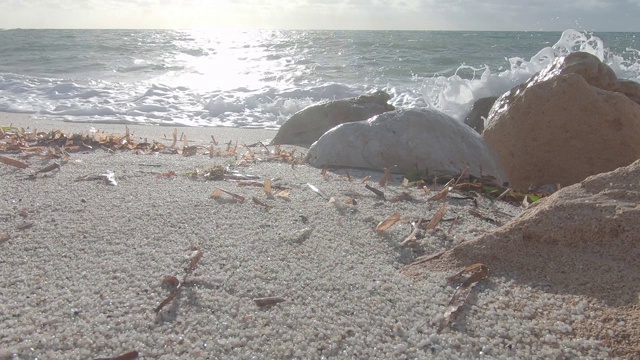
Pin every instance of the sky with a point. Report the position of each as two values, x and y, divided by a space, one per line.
524 15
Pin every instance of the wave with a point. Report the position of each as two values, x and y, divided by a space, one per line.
192 100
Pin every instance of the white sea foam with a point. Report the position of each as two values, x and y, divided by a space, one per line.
261 79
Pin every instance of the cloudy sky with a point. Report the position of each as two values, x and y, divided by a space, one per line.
592 15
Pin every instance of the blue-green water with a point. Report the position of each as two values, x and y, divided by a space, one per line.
260 78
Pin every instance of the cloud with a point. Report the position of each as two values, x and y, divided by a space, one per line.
598 15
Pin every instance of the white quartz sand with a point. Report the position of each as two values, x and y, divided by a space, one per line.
84 263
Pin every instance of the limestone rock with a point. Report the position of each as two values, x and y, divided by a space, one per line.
558 128
479 112
307 125
405 140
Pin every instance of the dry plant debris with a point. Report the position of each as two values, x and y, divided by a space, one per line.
176 284
464 281
57 143
318 191
268 301
437 216
387 223
217 195
126 356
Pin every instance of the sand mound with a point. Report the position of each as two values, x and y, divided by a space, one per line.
582 240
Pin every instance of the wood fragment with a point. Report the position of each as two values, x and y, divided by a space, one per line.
379 193
438 216
365 179
387 223
268 301
13 162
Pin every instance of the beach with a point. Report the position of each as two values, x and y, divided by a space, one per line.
87 264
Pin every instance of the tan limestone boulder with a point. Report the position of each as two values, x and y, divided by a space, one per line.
559 128
307 125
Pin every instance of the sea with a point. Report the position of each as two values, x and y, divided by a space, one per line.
260 78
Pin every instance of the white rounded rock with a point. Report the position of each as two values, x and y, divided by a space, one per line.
406 141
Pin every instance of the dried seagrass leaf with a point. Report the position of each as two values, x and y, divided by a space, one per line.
384 180
217 195
349 177
318 191
194 262
48 168
126 356
13 162
259 202
166 301
438 216
478 272
458 278
387 223
267 186
443 193
403 196
268 301
213 140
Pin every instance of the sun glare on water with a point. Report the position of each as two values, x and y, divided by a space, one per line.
221 59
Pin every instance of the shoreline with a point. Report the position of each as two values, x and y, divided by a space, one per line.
85 263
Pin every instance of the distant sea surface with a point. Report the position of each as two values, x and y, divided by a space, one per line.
259 78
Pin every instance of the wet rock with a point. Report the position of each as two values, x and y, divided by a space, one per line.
307 125
479 112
